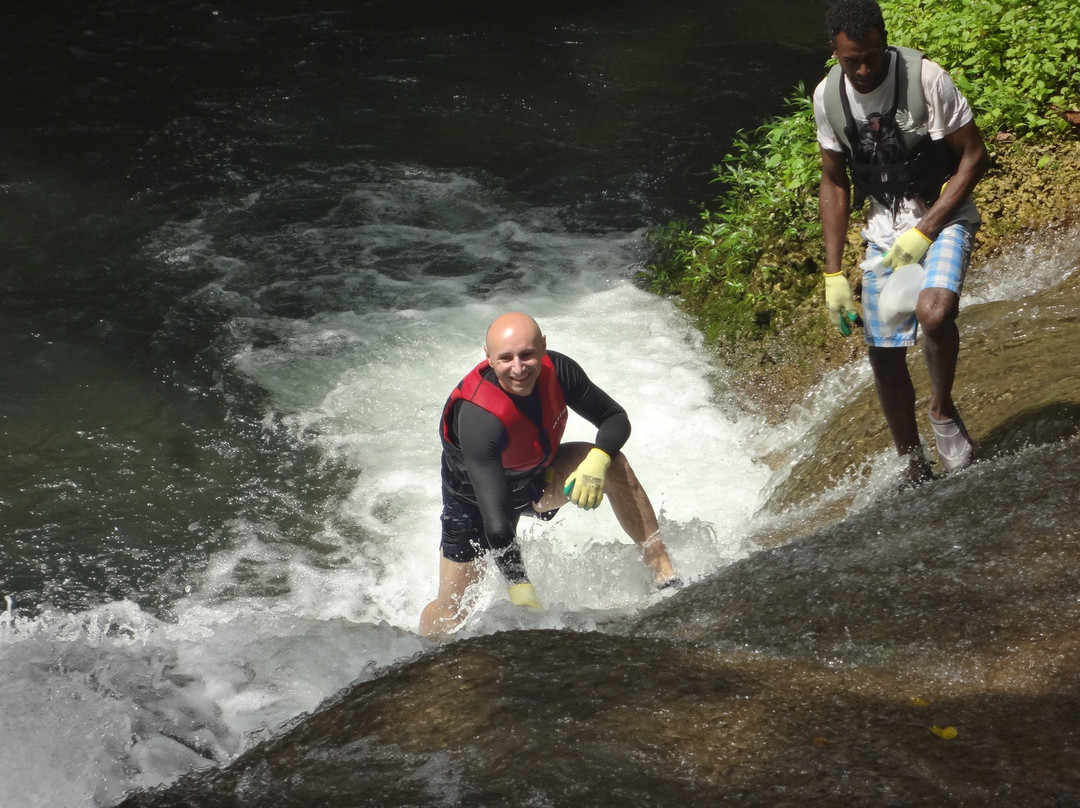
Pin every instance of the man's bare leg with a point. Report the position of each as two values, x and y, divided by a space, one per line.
449 609
896 394
628 500
937 312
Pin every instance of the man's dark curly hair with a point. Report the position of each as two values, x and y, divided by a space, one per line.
853 18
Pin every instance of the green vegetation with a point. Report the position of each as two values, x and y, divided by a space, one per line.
1018 61
748 269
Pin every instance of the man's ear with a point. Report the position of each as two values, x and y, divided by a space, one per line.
487 354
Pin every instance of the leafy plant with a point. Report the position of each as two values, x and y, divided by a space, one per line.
745 248
1017 61
752 257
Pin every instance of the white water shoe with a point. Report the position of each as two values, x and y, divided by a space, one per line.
953 444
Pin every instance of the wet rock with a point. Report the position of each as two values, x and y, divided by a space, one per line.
922 651
833 670
1017 384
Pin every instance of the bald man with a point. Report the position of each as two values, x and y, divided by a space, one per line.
503 457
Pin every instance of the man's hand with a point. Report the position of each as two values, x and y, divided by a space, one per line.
839 302
585 486
909 248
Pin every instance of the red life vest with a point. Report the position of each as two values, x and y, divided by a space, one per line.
526 448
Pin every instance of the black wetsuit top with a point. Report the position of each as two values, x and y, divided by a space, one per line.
481 437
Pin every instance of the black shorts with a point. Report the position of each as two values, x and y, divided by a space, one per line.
463 537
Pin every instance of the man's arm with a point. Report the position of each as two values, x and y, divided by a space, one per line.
593 404
834 201
967 142
833 205
482 438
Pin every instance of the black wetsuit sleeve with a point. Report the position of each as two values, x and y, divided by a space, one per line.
593 404
482 438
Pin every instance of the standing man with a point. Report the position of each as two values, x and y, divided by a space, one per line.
899 125
502 457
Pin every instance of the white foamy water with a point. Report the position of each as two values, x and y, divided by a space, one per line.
101 702
379 411
293 153
98 703
1041 262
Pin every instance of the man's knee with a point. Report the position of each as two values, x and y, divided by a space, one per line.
440 618
937 311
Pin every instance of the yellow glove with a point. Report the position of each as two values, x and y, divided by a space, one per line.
585 486
839 302
524 595
909 248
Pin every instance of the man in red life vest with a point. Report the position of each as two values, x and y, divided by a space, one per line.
501 432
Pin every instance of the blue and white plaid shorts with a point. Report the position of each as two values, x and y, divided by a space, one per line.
946 265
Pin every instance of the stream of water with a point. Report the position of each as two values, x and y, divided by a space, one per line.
245 254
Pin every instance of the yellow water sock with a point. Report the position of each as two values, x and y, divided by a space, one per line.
524 595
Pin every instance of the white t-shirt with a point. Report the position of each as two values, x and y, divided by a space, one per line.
948 111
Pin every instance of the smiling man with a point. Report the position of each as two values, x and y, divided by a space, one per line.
891 123
503 457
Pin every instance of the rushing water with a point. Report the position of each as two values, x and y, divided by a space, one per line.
245 255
